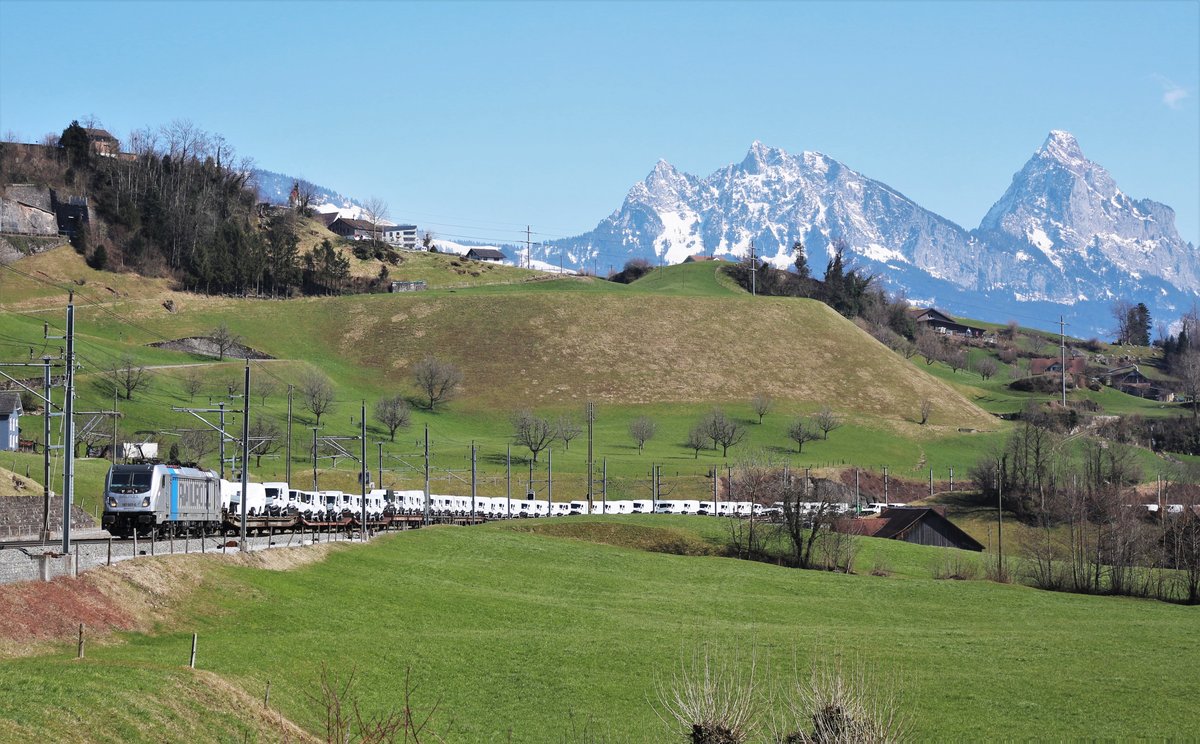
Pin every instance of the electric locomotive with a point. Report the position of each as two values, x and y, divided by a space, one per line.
165 498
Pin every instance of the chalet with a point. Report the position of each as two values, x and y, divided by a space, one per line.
1130 380
353 229
698 257
939 322
10 421
401 236
1076 369
103 143
486 254
917 525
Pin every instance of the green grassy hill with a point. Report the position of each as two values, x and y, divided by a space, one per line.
526 636
672 345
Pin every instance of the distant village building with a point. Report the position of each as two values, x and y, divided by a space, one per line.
939 322
10 421
406 286
486 254
917 525
103 143
401 236
1130 380
353 229
697 257
1076 369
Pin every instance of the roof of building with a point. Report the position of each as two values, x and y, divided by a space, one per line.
894 523
486 253
354 224
99 134
1075 365
698 257
401 228
10 402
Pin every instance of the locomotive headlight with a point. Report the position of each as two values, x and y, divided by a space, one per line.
112 500
146 501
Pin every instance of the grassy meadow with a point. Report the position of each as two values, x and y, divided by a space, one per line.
526 636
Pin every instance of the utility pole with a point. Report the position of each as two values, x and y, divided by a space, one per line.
245 451
508 487
46 450
69 413
753 270
288 465
473 482
221 439
528 248
604 486
591 416
362 462
380 464
1062 344
1000 519
426 519
715 478
549 481
314 458
114 438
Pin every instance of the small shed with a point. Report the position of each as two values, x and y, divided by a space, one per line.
416 286
10 421
917 525
486 254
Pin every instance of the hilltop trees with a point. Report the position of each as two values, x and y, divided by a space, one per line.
1133 323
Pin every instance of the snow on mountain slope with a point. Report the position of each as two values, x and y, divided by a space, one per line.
1062 235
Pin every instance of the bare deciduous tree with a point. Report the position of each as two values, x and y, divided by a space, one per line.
191 382
956 359
642 430
532 431
262 386
723 430
1187 369
393 413
316 392
826 420
376 212
127 376
926 409
224 339
698 438
986 367
802 431
437 380
198 443
929 346
761 404
567 428
266 438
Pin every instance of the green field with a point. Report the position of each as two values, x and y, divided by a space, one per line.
673 345
523 636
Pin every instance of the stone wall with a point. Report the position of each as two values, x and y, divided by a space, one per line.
21 516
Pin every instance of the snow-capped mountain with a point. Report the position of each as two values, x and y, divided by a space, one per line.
1062 235
276 187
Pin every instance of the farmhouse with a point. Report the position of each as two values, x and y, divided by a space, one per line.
939 322
917 525
103 143
486 254
1130 380
698 257
1076 369
354 229
10 420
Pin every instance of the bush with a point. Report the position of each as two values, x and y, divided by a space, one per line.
835 706
955 567
711 700
635 268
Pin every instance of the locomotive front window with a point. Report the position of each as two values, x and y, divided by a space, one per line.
131 482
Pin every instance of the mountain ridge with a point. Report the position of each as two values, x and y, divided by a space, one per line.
1063 236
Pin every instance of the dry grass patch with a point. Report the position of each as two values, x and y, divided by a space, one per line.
635 537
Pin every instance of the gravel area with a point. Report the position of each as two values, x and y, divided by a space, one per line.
26 564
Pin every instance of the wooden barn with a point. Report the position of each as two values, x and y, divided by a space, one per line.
917 525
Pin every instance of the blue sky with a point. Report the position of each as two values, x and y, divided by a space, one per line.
474 119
